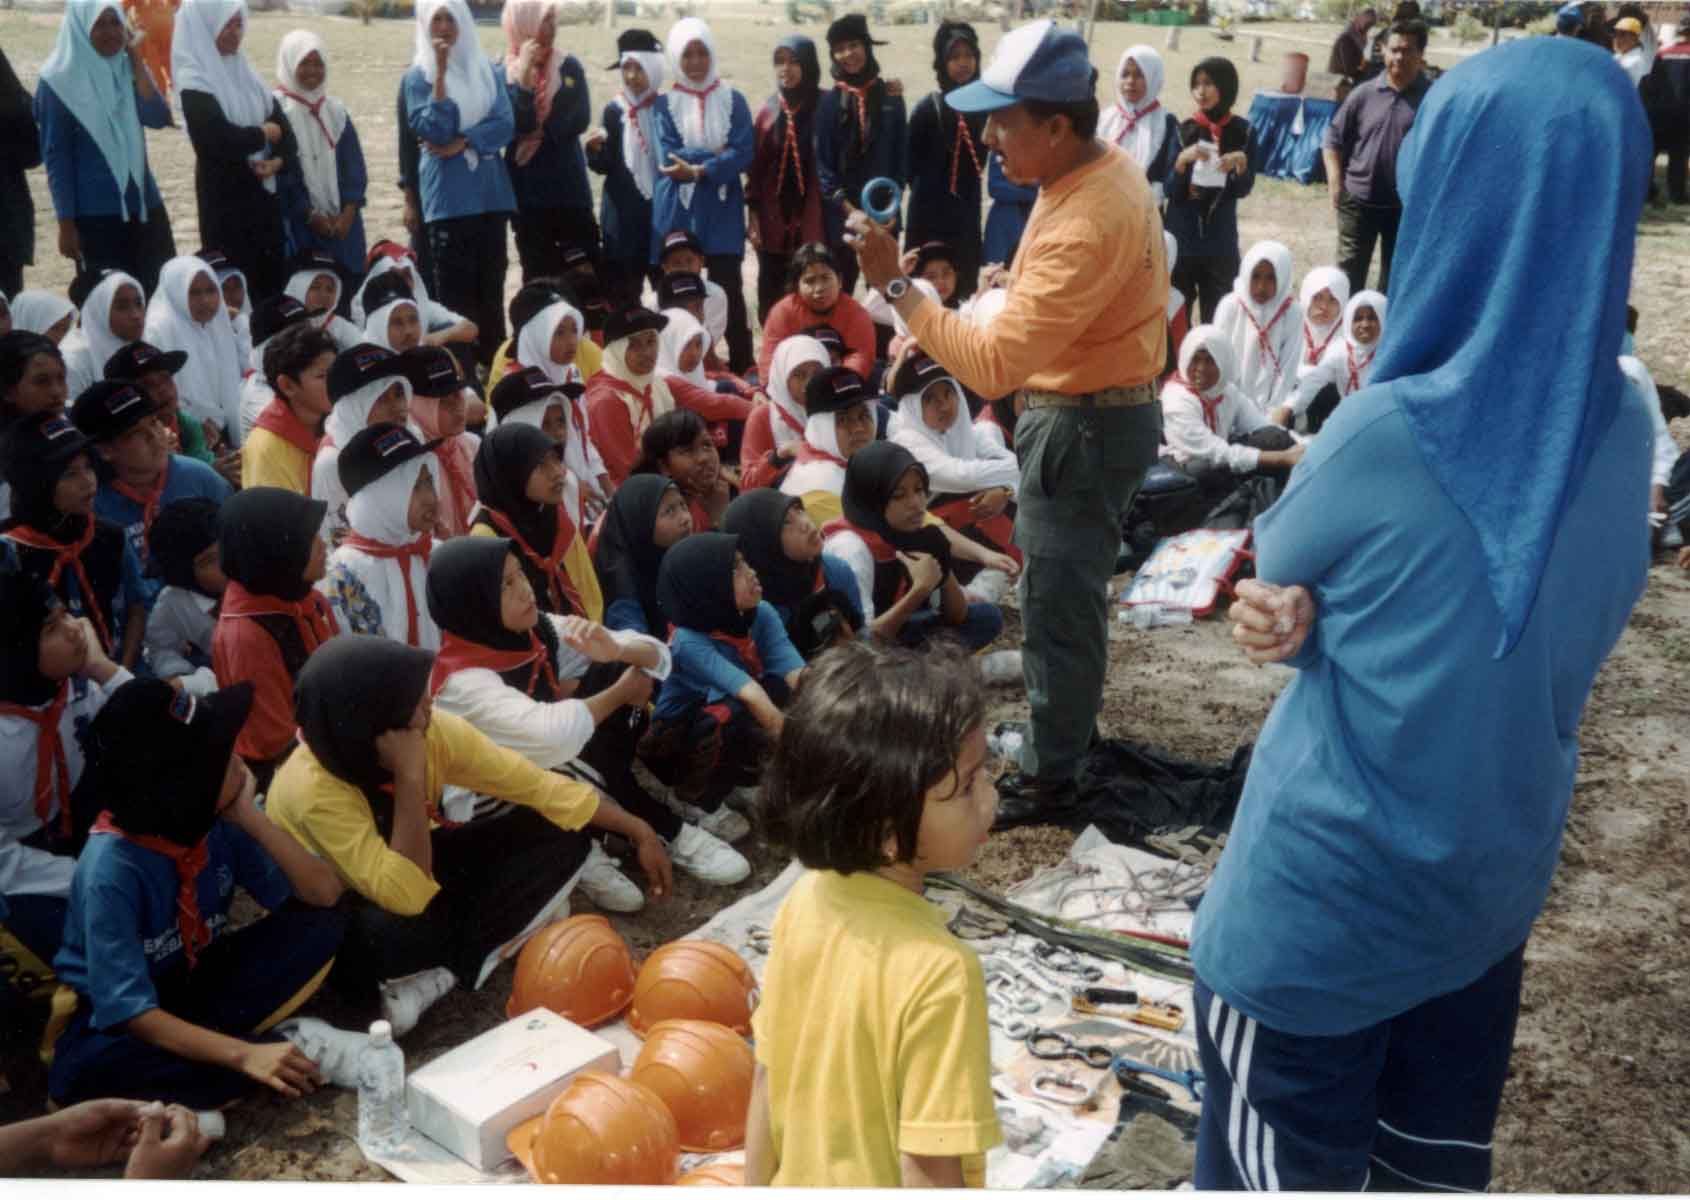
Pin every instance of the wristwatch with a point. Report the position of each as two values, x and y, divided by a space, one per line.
898 289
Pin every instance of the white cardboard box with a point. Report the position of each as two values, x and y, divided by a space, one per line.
468 1099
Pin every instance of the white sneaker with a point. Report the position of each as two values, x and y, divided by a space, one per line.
725 823
744 799
705 856
405 1000
335 1051
602 883
987 587
1001 666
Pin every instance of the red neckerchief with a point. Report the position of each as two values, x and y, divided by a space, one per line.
1357 368
49 755
316 112
634 115
789 150
148 500
457 478
619 384
459 654
421 548
558 583
69 554
1213 126
1262 330
312 616
860 94
963 138
1132 118
280 420
699 95
1315 352
879 549
792 422
808 453
196 932
746 648
1211 408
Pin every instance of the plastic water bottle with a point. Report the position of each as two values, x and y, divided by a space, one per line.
383 1120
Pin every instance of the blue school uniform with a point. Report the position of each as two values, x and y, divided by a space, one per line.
556 177
78 178
708 671
1012 204
624 213
354 179
717 213
447 187
885 157
132 586
185 479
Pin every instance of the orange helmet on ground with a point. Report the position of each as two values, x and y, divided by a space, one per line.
603 1129
694 981
703 1071
714 1175
520 1141
580 969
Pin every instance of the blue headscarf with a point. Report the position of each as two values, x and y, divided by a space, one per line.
100 93
1512 194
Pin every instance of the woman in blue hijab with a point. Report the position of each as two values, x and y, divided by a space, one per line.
1450 565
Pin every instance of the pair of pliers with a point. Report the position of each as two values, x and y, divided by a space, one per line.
1191 1080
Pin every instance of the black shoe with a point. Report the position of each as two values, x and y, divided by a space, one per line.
1026 800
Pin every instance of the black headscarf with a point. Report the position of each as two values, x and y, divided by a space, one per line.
266 540
17 347
945 39
627 558
351 691
870 479
157 758
696 585
466 580
801 100
1224 76
503 463
756 518
182 529
26 605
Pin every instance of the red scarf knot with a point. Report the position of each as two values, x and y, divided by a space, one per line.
68 554
52 772
459 654
196 930
562 590
421 548
1131 117
316 111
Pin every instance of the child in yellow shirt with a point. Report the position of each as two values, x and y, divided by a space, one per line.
873 1066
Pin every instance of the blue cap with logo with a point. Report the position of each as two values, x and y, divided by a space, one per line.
1039 61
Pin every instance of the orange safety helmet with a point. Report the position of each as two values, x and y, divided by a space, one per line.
603 1129
714 1175
580 969
703 1072
694 981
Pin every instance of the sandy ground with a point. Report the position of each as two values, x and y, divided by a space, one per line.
1601 1074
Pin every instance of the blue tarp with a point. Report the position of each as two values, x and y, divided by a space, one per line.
1282 151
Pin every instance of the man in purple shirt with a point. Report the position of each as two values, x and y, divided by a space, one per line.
1361 155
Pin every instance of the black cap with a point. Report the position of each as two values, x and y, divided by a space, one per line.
138 358
852 27
220 263
434 371
835 390
376 450
275 315
385 288
147 720
364 364
529 386
680 239
680 288
916 374
576 257
642 41
828 336
36 450
531 300
110 408
625 322
320 261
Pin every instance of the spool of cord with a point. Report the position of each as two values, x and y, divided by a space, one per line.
887 192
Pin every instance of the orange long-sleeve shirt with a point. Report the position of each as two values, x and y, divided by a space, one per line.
1088 294
791 315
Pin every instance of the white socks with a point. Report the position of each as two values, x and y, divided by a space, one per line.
403 1001
335 1051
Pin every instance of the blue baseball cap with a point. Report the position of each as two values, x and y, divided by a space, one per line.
1036 62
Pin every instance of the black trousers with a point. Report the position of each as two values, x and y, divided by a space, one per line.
1672 138
1204 280
1360 226
543 234
771 283
138 248
726 272
11 275
494 874
469 265
624 280
611 753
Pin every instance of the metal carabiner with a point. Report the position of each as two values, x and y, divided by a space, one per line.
1053 1044
1063 1088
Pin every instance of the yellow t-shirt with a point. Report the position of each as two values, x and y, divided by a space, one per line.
577 564
872 1028
331 817
589 357
270 461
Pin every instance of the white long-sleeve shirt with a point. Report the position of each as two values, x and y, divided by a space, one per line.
25 871
1266 377
989 466
1190 441
18 744
1665 450
180 623
1334 369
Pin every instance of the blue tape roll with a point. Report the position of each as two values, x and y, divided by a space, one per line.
888 187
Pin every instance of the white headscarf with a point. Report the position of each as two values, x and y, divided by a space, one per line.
318 120
1176 298
639 125
702 112
907 423
197 65
792 353
100 93
375 329
1278 323
87 347
1138 129
682 328
210 382
1210 338
470 82
381 512
534 341
299 284
821 431
957 459
419 290
351 412
1316 338
1356 358
38 311
652 386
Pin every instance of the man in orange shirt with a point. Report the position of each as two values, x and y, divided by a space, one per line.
1083 332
